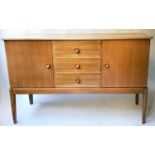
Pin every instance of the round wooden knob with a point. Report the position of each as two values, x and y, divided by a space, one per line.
77 66
48 66
77 81
77 50
107 66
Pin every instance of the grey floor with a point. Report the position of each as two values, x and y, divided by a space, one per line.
93 110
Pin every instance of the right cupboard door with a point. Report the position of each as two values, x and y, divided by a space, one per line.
125 63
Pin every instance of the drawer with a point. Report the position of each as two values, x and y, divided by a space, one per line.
77 80
76 65
77 49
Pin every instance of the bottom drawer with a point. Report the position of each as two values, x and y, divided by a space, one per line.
77 80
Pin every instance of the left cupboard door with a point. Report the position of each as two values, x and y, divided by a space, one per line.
29 63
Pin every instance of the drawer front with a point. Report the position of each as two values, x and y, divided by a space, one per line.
65 80
75 65
76 49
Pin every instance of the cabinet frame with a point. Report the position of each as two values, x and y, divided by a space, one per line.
30 91
135 90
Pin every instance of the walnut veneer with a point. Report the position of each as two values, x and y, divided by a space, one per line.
76 63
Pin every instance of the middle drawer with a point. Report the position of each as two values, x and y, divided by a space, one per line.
77 65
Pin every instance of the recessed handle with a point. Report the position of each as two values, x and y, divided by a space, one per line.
77 66
107 66
77 81
77 50
48 66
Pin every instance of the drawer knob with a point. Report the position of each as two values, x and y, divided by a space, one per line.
107 66
48 66
77 81
77 66
77 50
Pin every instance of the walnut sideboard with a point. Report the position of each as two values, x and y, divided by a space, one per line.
78 63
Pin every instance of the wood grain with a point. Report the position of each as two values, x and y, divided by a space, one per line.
13 106
76 36
68 65
27 63
78 90
144 105
65 49
76 65
69 80
128 63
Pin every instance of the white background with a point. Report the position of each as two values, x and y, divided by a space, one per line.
80 14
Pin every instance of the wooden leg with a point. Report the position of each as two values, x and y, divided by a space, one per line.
13 106
144 105
31 98
137 99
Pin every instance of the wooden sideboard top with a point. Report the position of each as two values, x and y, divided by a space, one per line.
76 36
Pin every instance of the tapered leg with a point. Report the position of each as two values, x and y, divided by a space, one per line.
13 106
31 98
137 99
144 105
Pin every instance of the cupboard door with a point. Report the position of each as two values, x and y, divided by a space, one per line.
29 63
125 63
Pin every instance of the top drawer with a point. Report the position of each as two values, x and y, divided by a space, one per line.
76 49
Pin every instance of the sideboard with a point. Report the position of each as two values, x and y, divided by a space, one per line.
65 63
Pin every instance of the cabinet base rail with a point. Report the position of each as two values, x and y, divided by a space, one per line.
31 91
